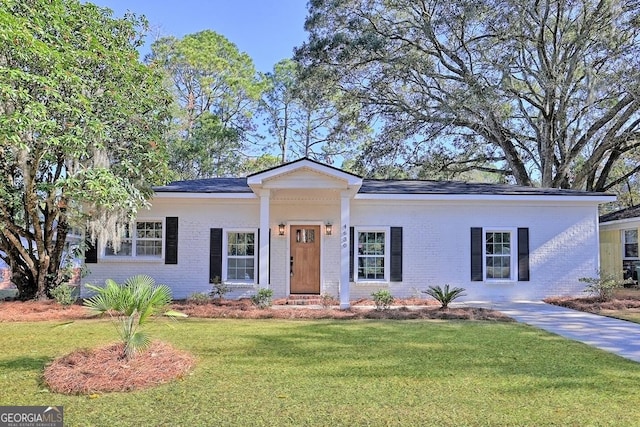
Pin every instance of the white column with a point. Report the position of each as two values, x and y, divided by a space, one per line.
345 221
263 278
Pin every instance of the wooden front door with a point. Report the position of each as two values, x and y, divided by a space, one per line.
304 263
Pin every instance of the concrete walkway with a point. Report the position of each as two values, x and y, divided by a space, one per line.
613 335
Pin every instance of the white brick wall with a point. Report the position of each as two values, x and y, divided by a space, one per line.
563 243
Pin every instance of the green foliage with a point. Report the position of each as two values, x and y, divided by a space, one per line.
216 90
383 299
444 295
459 75
131 304
210 150
219 289
64 294
263 298
81 128
258 164
199 298
307 116
602 286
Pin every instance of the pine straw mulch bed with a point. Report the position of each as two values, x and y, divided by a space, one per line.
99 370
593 304
626 298
361 309
27 311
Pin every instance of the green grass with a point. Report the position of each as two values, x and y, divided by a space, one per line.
340 373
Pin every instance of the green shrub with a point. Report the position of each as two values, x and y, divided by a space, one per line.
130 305
263 298
383 299
198 298
444 295
64 294
602 286
219 289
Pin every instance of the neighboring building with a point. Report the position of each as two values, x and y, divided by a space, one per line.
307 228
619 243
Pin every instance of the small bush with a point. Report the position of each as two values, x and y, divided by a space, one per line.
263 298
602 286
130 305
444 295
219 289
198 298
63 294
327 300
383 299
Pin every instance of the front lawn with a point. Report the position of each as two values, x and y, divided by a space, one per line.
339 372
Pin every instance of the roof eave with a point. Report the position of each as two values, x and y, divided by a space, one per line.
489 197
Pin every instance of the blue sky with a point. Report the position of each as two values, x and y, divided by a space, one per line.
267 30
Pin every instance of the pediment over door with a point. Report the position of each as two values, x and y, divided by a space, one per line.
304 175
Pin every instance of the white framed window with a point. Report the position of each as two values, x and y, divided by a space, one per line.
146 241
240 256
630 253
630 243
499 254
372 254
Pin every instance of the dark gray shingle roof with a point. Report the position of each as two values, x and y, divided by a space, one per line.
632 212
209 185
373 186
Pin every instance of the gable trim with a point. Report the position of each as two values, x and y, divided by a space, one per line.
258 179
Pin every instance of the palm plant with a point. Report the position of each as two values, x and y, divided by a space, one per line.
130 305
444 296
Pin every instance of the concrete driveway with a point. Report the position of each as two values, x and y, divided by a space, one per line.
613 335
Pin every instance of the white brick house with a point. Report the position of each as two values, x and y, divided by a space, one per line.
308 228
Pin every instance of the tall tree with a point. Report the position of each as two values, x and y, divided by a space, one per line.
545 92
307 116
216 87
81 124
278 104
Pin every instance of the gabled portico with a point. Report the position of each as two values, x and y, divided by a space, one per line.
281 190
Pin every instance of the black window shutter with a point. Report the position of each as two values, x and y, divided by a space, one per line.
91 253
215 255
523 254
476 254
396 254
171 240
351 253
